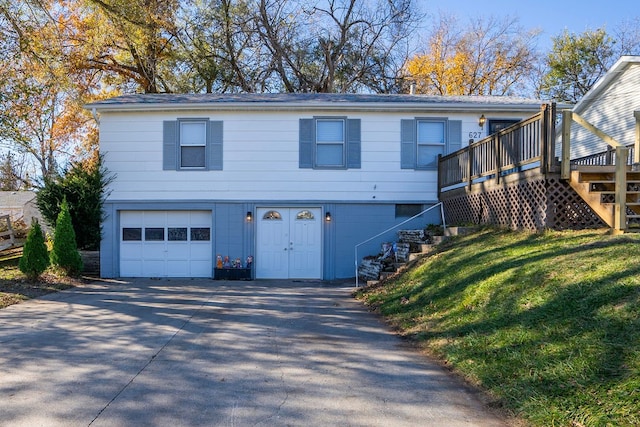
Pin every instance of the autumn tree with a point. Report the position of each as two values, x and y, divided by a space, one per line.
12 174
577 61
41 114
489 57
129 41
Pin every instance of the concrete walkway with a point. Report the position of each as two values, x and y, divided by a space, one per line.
214 353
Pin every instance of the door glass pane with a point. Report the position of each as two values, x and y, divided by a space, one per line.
305 214
177 234
154 234
272 215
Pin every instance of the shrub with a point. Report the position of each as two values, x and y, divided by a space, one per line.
84 186
35 258
65 250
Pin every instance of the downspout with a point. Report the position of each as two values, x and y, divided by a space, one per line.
94 113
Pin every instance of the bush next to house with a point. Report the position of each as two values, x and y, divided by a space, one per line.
83 185
35 257
65 250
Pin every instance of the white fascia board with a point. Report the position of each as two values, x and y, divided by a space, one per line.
315 106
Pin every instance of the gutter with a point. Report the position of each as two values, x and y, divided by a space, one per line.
318 106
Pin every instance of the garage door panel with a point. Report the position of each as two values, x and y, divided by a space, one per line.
167 246
130 268
154 268
178 268
178 251
200 269
131 251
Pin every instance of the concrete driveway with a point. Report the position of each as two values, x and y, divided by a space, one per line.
216 353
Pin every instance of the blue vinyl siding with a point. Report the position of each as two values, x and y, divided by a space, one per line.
351 224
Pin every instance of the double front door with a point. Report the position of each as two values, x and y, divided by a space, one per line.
289 243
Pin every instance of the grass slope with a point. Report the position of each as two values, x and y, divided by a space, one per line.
547 323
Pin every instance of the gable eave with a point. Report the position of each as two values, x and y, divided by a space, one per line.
612 75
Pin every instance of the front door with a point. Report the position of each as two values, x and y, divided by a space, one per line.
289 244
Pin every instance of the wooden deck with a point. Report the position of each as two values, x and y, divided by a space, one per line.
514 179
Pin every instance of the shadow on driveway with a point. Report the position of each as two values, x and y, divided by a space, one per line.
200 352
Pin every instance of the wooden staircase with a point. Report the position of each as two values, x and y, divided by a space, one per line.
597 186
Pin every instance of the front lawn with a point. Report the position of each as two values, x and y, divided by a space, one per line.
548 324
14 286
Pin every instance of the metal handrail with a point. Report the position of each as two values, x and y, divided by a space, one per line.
394 227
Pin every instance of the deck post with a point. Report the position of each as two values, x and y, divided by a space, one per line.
470 167
551 136
544 149
440 172
496 153
567 119
636 145
620 210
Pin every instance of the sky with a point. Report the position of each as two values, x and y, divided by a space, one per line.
550 16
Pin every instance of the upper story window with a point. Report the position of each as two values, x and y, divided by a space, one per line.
192 144
423 139
430 142
329 143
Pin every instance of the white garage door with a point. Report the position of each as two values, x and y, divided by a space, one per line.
165 244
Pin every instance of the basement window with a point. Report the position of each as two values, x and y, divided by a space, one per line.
407 210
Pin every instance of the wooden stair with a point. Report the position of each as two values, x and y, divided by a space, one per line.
596 185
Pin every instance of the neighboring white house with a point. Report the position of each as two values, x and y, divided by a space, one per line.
294 180
609 106
21 206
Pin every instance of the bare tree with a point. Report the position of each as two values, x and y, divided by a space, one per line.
336 45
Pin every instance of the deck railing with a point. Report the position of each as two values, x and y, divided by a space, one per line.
521 146
605 158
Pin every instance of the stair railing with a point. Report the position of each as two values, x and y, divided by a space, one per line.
393 228
621 156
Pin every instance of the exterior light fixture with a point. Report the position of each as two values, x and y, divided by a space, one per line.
249 216
327 216
481 121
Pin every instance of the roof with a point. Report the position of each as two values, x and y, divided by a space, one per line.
605 81
314 101
15 199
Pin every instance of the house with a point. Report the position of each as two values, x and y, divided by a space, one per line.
609 105
21 206
295 181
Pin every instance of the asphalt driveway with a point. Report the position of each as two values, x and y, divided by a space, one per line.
217 353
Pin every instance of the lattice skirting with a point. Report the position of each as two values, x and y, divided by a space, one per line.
529 204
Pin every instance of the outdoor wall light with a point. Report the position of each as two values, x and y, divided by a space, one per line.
481 121
249 216
327 216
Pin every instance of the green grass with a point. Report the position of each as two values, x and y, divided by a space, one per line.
548 324
14 286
